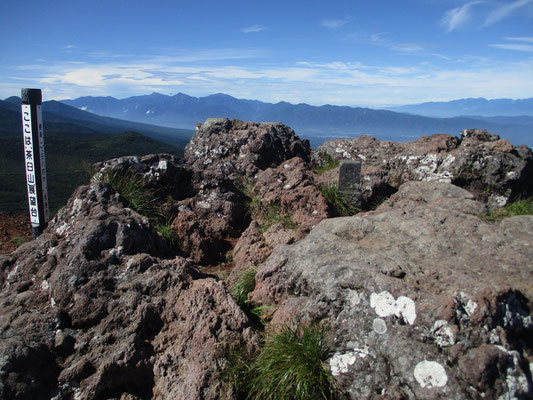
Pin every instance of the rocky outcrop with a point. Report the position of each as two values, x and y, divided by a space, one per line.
425 300
92 309
491 168
243 147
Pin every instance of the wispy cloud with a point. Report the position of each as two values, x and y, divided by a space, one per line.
334 23
517 44
381 39
527 39
457 17
340 82
503 11
514 46
253 29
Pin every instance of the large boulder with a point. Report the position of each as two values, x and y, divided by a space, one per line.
243 147
223 154
491 168
424 299
93 309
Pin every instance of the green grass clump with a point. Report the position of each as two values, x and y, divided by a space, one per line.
329 163
272 215
338 200
291 364
169 234
18 240
243 286
514 208
131 186
266 215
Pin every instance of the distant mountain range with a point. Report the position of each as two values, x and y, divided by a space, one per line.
312 122
59 117
475 108
74 140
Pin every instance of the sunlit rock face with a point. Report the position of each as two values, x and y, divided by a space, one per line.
425 300
491 168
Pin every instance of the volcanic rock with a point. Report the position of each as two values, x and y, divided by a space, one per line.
92 309
492 169
243 147
424 299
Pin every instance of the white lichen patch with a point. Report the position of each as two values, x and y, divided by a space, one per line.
442 333
341 363
515 378
44 285
430 375
203 204
62 229
467 306
385 305
353 298
76 206
162 165
379 325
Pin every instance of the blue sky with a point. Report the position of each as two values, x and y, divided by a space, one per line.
343 52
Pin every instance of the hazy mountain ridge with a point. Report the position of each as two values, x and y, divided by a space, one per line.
57 114
313 122
478 107
74 139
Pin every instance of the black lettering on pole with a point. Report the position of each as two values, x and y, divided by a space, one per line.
35 163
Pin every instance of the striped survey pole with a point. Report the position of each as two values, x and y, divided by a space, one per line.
34 160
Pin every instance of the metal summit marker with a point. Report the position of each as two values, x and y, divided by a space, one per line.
34 160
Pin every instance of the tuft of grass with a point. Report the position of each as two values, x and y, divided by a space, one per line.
18 240
243 287
266 215
169 234
272 215
338 200
517 207
291 364
329 163
131 186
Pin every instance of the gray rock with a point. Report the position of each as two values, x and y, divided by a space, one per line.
492 169
425 300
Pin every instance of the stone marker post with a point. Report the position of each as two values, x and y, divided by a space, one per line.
350 181
34 160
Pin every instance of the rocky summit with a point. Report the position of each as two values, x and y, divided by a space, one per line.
423 296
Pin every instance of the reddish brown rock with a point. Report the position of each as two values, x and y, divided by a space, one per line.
92 309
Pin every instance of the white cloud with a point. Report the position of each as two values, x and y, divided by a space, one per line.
514 46
457 17
253 29
517 44
503 11
521 39
342 82
334 23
